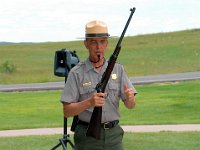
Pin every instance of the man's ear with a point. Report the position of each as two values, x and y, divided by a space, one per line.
107 43
85 43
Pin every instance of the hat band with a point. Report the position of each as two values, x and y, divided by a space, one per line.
97 35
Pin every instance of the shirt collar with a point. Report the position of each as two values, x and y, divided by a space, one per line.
89 65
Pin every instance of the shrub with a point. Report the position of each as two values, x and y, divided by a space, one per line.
7 67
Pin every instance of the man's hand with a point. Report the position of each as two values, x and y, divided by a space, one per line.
130 98
129 93
98 99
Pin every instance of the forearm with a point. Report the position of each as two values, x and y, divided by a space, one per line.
73 109
130 103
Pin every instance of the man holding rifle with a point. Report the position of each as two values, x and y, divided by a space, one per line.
80 96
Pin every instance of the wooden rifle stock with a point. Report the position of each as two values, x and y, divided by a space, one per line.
94 127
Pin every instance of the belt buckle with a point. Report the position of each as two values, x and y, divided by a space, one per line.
104 125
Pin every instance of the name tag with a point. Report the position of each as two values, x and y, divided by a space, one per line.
87 84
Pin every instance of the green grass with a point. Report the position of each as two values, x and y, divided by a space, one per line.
162 141
161 53
136 141
30 110
176 103
166 103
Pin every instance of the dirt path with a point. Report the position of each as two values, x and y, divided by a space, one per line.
136 128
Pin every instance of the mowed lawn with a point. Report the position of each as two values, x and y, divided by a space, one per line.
166 103
132 141
161 53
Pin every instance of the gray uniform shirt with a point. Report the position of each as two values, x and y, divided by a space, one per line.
81 84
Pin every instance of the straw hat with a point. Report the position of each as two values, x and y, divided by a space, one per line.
96 28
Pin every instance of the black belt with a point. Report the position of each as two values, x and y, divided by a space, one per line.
106 125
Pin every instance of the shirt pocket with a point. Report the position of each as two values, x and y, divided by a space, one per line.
113 91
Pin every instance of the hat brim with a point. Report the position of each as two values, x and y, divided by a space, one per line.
93 35
97 36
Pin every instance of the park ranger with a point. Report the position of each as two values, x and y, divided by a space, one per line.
80 97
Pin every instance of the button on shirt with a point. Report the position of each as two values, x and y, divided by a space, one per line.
81 83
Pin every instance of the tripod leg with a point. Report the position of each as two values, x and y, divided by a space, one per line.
71 144
64 144
56 146
65 139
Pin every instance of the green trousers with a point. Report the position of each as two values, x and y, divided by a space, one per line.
110 139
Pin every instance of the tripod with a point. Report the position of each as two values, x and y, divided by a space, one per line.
65 138
64 61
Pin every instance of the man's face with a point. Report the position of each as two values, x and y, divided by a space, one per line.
96 46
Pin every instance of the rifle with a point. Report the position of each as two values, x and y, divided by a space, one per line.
94 127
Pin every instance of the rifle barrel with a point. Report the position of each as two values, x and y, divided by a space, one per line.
94 127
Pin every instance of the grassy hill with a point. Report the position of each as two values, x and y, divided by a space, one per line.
161 53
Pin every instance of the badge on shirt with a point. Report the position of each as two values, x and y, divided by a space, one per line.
114 76
87 83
